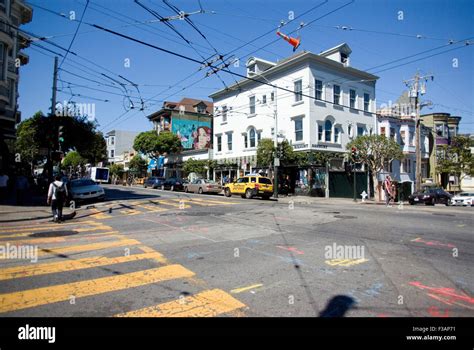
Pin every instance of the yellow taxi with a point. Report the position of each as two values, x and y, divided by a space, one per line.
250 186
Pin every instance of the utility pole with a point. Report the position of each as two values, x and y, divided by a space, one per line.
417 87
52 115
55 81
276 160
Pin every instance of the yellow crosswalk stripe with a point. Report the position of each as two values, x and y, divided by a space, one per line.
88 247
48 226
173 204
81 229
99 215
206 304
151 208
130 212
46 240
71 265
46 295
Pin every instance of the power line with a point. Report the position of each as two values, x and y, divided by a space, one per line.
75 34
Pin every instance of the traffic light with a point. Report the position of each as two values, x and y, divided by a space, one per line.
61 134
354 153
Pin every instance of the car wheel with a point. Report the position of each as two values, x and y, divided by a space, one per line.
200 190
144 185
227 192
248 194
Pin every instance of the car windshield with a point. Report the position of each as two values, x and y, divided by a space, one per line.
465 194
209 181
79 183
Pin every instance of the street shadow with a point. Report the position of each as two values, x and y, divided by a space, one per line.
125 193
338 306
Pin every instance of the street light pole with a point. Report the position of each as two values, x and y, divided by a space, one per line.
276 160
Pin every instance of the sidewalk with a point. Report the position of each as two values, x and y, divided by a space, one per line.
306 200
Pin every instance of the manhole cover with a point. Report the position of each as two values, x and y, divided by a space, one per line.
53 234
345 217
441 214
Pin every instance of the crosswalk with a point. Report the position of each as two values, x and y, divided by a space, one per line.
79 249
154 206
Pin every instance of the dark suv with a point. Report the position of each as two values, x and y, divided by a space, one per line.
430 196
154 182
173 184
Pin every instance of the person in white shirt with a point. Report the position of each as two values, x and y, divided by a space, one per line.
3 186
57 195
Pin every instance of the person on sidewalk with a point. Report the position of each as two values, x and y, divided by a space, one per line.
388 190
57 195
3 186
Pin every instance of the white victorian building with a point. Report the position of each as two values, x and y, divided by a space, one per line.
320 100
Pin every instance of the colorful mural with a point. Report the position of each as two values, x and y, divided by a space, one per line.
192 133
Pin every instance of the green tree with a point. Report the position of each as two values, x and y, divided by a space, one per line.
265 153
116 171
199 167
456 158
97 152
72 159
137 165
374 150
153 144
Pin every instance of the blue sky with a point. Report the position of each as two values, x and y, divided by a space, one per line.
378 37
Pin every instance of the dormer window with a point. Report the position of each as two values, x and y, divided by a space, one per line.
252 68
201 108
344 58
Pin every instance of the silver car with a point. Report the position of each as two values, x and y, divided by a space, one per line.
85 189
203 186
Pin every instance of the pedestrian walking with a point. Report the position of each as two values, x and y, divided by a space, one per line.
388 190
57 195
3 186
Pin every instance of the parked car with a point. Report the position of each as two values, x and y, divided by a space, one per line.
85 189
154 182
250 186
464 199
173 184
430 196
203 186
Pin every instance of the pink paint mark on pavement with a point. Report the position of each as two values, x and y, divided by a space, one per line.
291 249
447 296
434 243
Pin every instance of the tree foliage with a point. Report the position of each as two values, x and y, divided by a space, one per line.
137 165
116 170
374 150
73 159
153 144
41 131
456 158
198 166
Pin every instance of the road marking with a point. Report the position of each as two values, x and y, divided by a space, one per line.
447 296
72 265
69 238
178 205
433 243
206 304
45 226
345 262
88 247
46 295
243 289
99 215
130 212
150 208
291 249
29 233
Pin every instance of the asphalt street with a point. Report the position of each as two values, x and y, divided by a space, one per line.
147 252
